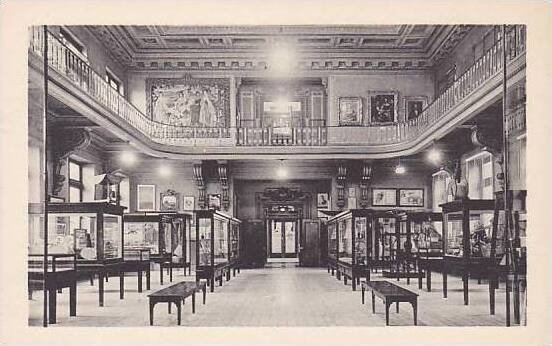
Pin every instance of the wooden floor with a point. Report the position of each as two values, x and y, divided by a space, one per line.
279 295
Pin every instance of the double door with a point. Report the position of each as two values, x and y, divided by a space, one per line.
283 238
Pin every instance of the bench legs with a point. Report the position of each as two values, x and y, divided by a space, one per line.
388 303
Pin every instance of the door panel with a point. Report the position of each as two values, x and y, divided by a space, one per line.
276 237
310 247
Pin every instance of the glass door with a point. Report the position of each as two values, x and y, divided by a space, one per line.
283 238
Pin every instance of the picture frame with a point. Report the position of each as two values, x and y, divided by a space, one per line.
145 197
352 192
411 197
188 203
322 201
213 201
349 111
414 106
383 107
169 200
384 197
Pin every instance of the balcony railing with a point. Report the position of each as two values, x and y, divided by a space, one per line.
69 64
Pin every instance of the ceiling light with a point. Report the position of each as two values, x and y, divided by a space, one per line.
128 158
434 155
281 171
400 169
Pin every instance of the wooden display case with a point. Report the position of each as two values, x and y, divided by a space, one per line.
423 230
165 235
468 242
93 232
234 245
212 246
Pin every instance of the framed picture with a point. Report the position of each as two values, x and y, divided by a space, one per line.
384 197
169 200
411 197
214 201
414 106
323 202
352 192
189 203
350 111
382 106
145 195
351 203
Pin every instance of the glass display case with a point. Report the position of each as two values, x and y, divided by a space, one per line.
470 247
422 233
350 243
212 245
92 232
234 244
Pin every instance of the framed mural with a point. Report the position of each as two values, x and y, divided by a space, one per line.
214 201
169 200
414 106
350 111
382 106
323 201
189 203
187 101
411 197
384 197
145 196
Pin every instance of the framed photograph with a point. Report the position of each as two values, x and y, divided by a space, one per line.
352 192
145 196
323 202
169 200
382 106
384 197
414 106
411 197
189 203
350 111
214 201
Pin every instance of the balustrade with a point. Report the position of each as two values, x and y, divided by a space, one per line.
66 62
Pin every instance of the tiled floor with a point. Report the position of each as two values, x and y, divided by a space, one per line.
279 295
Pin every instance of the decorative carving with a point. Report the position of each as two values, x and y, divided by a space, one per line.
366 177
198 176
65 143
341 180
283 194
458 33
223 178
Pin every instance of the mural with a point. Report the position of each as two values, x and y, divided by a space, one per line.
194 102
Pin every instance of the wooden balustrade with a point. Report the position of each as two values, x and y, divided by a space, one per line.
66 62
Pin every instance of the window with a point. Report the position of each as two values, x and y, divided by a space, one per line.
75 181
72 43
113 81
479 174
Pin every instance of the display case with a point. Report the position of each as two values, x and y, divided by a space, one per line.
332 247
164 235
90 231
212 246
234 245
349 243
421 243
470 248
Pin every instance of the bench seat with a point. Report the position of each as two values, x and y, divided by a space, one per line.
176 294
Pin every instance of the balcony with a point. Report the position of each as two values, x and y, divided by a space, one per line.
483 78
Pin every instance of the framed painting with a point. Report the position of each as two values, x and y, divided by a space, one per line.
350 111
169 200
382 106
145 197
189 101
411 197
188 203
214 201
323 202
414 106
384 197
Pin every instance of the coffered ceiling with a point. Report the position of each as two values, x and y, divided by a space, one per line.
317 47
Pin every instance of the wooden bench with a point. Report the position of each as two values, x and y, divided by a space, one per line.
390 293
405 275
176 294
